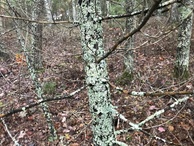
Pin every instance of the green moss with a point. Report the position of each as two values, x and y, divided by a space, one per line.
49 87
181 73
125 78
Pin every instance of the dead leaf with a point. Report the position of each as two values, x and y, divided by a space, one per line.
189 86
191 122
161 129
152 107
20 59
2 94
22 114
66 130
3 71
170 128
64 119
81 125
74 144
185 126
67 136
161 58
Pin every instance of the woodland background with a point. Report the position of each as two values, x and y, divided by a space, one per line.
62 73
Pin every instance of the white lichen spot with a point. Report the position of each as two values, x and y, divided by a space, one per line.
137 93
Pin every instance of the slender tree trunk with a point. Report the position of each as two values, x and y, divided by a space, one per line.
127 75
29 52
96 74
104 7
184 40
37 14
1 11
173 13
47 4
108 8
69 12
74 11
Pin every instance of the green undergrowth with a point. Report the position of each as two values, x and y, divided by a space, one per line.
125 78
49 87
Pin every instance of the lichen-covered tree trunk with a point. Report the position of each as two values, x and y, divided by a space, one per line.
184 40
26 47
96 73
37 14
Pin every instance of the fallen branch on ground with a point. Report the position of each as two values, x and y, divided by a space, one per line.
167 93
14 111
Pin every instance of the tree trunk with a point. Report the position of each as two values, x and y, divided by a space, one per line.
127 75
74 12
37 14
96 73
108 8
1 19
104 7
173 13
47 4
184 40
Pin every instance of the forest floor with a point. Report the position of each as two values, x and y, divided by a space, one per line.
64 73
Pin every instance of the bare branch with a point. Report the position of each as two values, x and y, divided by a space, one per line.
144 21
34 21
156 114
163 5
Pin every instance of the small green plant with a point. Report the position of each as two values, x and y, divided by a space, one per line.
49 87
125 78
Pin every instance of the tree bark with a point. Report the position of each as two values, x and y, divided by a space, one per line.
104 7
96 73
74 11
37 14
184 40
127 75
47 4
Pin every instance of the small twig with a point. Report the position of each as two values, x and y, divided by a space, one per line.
7 130
34 21
190 137
156 137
